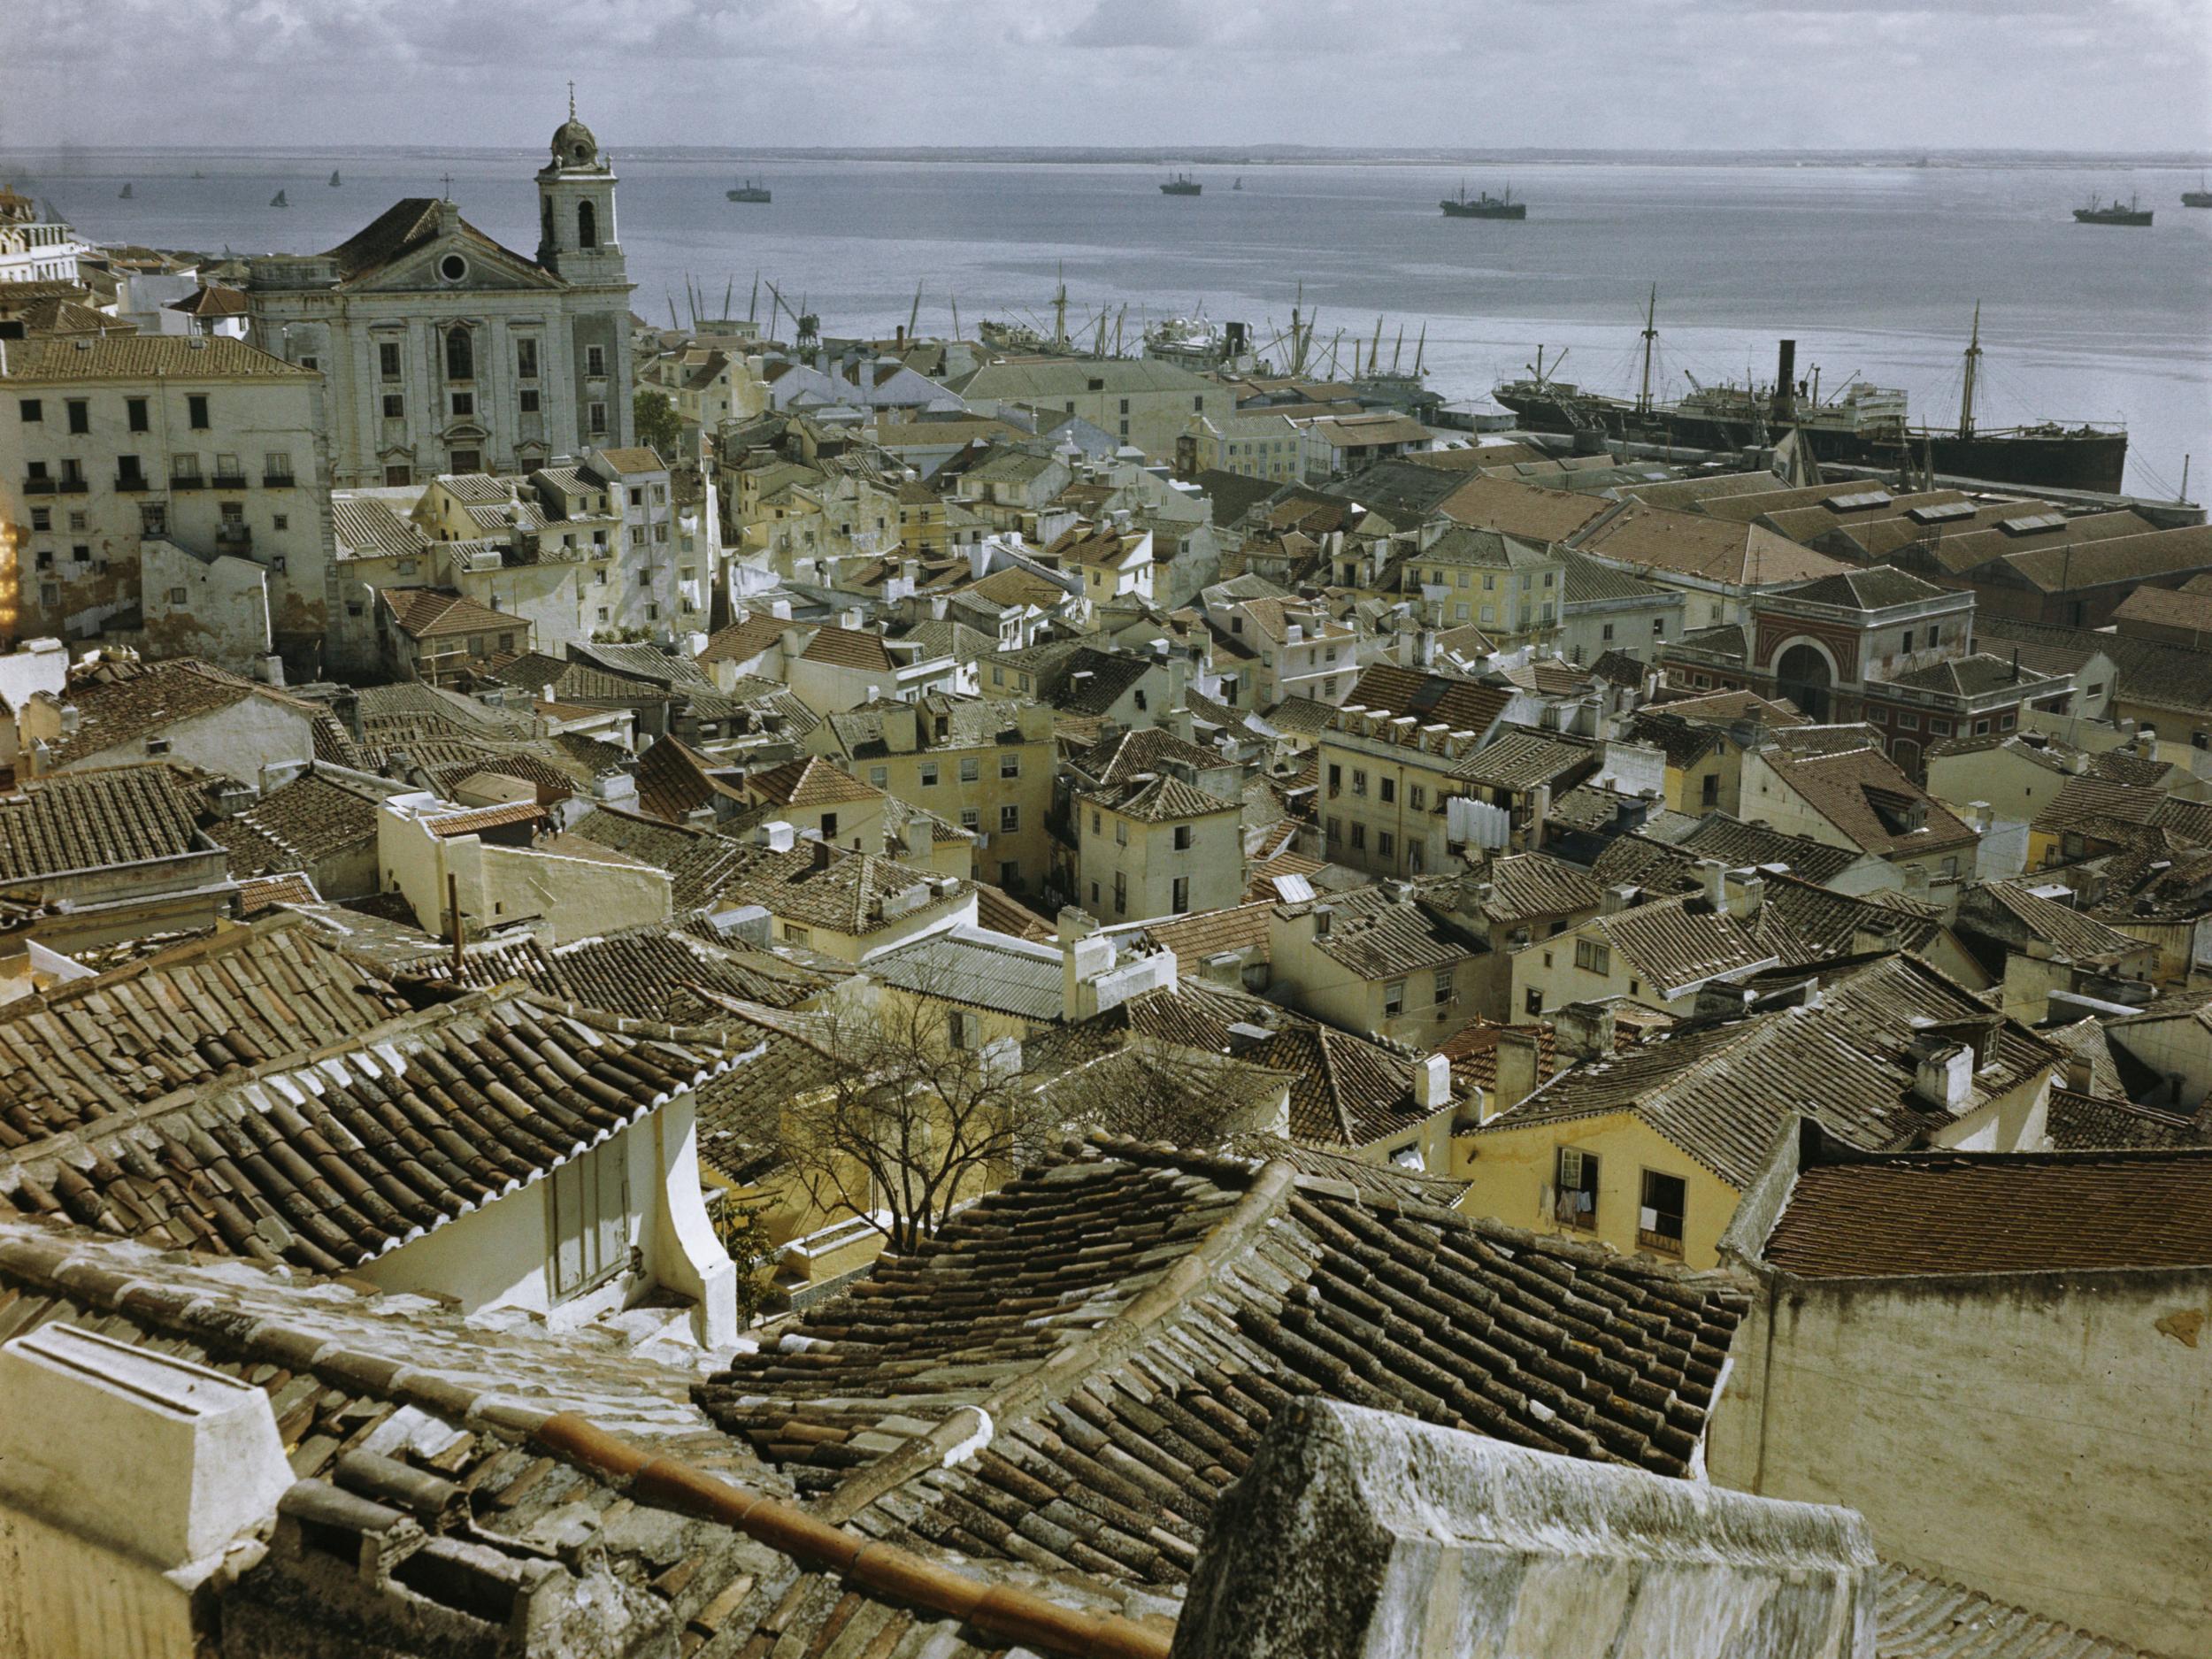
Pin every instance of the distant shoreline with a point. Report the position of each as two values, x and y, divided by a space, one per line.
1218 156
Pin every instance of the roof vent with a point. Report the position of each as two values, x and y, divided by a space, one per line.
196 344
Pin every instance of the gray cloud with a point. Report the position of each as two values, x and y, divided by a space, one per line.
1722 74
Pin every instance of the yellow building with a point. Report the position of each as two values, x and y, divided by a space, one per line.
983 763
1650 1151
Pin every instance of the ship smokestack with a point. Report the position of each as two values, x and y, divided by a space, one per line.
1785 383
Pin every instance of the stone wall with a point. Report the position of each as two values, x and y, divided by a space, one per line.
1358 1532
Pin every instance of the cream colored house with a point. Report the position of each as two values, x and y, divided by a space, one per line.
203 445
985 764
1857 798
485 860
1372 962
1158 845
1660 953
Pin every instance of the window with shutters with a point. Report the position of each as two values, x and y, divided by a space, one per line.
589 1218
1659 1217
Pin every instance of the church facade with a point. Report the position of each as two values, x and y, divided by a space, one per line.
444 352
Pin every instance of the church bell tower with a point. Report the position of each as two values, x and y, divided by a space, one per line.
577 238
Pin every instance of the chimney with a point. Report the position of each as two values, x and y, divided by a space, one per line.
2078 1076
1583 1031
1714 874
1323 916
1945 1076
1619 897
918 838
1916 880
777 836
1785 382
1433 1083
1518 1046
1746 895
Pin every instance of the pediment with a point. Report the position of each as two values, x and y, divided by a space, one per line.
490 268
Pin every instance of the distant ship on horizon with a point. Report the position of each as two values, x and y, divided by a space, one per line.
749 192
1181 184
1484 206
335 180
278 200
2198 197
2112 213
123 194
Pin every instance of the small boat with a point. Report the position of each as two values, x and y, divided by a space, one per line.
1239 185
335 180
2198 197
749 192
197 173
123 194
1484 206
278 200
1181 184
2112 213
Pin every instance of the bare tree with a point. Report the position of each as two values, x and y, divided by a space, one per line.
912 1119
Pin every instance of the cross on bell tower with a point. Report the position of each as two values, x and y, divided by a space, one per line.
447 180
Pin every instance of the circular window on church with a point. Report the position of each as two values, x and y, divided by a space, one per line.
453 267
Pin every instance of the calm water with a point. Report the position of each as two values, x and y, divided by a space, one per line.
1874 270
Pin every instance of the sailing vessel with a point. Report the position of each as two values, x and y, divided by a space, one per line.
1181 184
1239 185
1484 206
2198 197
123 194
2112 213
278 200
335 180
749 191
1862 424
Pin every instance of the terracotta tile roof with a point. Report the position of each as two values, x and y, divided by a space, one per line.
1158 799
1527 887
698 861
1107 1456
1014 586
88 820
435 612
1919 1616
2071 934
1800 922
91 1050
145 357
1542 515
1205 933
1677 943
368 527
481 818
1151 748
1912 1213
848 647
311 819
1693 544
1003 913
1379 937
298 1160
120 703
1522 760
811 782
1345 1091
1861 792
423 1385
747 638
2091 1122
264 892
1722 1093
1875 589
1461 704
651 973
638 459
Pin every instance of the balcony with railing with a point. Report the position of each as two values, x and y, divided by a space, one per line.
279 481
226 480
235 535
132 482
38 486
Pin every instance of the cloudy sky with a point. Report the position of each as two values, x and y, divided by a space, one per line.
2106 75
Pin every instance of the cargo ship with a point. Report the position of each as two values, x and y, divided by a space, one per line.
749 192
2112 213
1181 184
2198 197
1484 206
1860 424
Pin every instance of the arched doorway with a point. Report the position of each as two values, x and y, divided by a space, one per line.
1801 674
